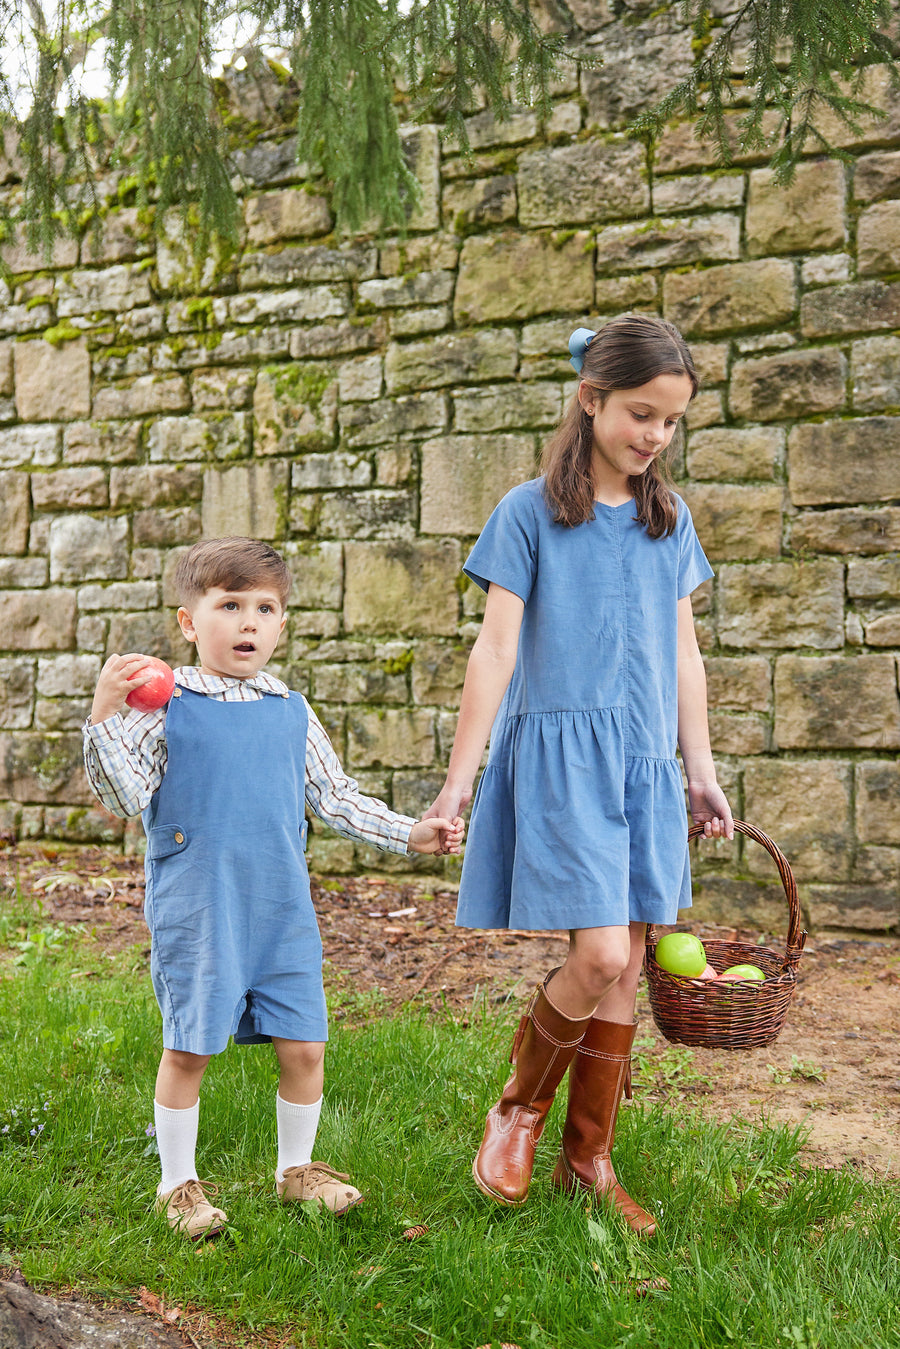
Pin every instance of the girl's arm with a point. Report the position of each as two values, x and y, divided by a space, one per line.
490 668
708 804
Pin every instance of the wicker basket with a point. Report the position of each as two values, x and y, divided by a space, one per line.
731 1015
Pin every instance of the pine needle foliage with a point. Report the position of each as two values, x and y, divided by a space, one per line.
790 67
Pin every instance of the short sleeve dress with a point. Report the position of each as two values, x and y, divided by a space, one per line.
579 819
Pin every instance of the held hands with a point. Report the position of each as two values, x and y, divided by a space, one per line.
119 677
710 808
436 835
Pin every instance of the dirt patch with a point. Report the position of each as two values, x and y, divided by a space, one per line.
832 1070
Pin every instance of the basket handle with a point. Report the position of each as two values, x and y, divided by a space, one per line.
796 939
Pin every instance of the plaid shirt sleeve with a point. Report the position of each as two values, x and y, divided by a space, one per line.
336 798
125 760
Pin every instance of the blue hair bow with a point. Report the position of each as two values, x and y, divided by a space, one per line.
579 342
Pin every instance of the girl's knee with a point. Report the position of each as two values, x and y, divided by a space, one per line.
599 963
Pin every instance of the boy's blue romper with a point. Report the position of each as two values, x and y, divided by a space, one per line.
235 943
579 819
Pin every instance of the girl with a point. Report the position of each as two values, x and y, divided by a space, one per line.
588 670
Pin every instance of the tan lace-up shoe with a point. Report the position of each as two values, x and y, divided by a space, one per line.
189 1212
320 1183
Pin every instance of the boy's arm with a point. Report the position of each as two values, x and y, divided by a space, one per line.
337 800
125 761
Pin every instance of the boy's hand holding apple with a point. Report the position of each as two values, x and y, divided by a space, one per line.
144 682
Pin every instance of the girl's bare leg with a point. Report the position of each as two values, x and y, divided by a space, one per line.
600 974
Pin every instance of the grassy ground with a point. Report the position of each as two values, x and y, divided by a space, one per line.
755 1250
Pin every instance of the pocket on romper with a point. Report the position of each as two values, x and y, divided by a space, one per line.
164 840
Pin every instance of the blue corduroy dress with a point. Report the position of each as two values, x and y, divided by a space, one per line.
579 819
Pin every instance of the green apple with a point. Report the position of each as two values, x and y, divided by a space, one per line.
744 972
681 953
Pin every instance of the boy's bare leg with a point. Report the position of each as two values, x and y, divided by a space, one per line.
298 1104
179 1077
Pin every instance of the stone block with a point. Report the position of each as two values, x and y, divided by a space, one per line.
269 342
615 294
247 499
153 634
145 395
874 579
845 462
118 595
301 305
166 485
438 672
877 175
875 364
828 269
355 682
415 322
807 213
421 288
422 150
805 804
393 465
361 380
463 478
114 289
739 733
69 489
739 683
583 183
294 408
16 692
651 57
23 573
863 307
43 768
122 237
217 436
37 445
390 738
378 514
14 511
7 382
67 676
213 388
669 242
781 604
401 587
53 383
451 359
836 702
530 404
515 276
337 339
847 531
85 549
101 442
289 214
878 866
861 907
743 295
878 801
484 130
878 238
883 630
318 573
422 253
317 472
736 521
680 148
698 191
388 419
790 384
166 528
315 262
480 201
705 410
727 452
83 824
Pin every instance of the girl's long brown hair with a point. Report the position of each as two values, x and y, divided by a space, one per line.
627 352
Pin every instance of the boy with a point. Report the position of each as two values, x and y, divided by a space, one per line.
222 776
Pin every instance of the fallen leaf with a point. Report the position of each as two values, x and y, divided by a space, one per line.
150 1302
172 1315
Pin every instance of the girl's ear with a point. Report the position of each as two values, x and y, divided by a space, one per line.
186 623
587 397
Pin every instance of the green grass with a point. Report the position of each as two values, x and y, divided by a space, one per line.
757 1250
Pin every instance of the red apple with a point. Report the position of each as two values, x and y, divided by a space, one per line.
157 690
708 973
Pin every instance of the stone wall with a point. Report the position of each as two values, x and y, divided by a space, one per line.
363 404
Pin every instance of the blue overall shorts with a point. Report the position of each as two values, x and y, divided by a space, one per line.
235 944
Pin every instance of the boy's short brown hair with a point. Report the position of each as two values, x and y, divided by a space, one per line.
232 563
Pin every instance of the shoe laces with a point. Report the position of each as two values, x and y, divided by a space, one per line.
314 1171
192 1193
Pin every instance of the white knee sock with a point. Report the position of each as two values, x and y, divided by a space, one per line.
297 1126
176 1137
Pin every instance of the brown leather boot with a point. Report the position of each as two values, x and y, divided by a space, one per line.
542 1051
599 1075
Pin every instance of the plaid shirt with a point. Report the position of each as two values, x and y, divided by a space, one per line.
125 758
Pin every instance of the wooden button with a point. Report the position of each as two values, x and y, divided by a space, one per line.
179 837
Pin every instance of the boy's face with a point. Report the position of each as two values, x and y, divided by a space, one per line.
236 631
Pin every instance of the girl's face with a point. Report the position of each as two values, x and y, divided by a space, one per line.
632 428
236 631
